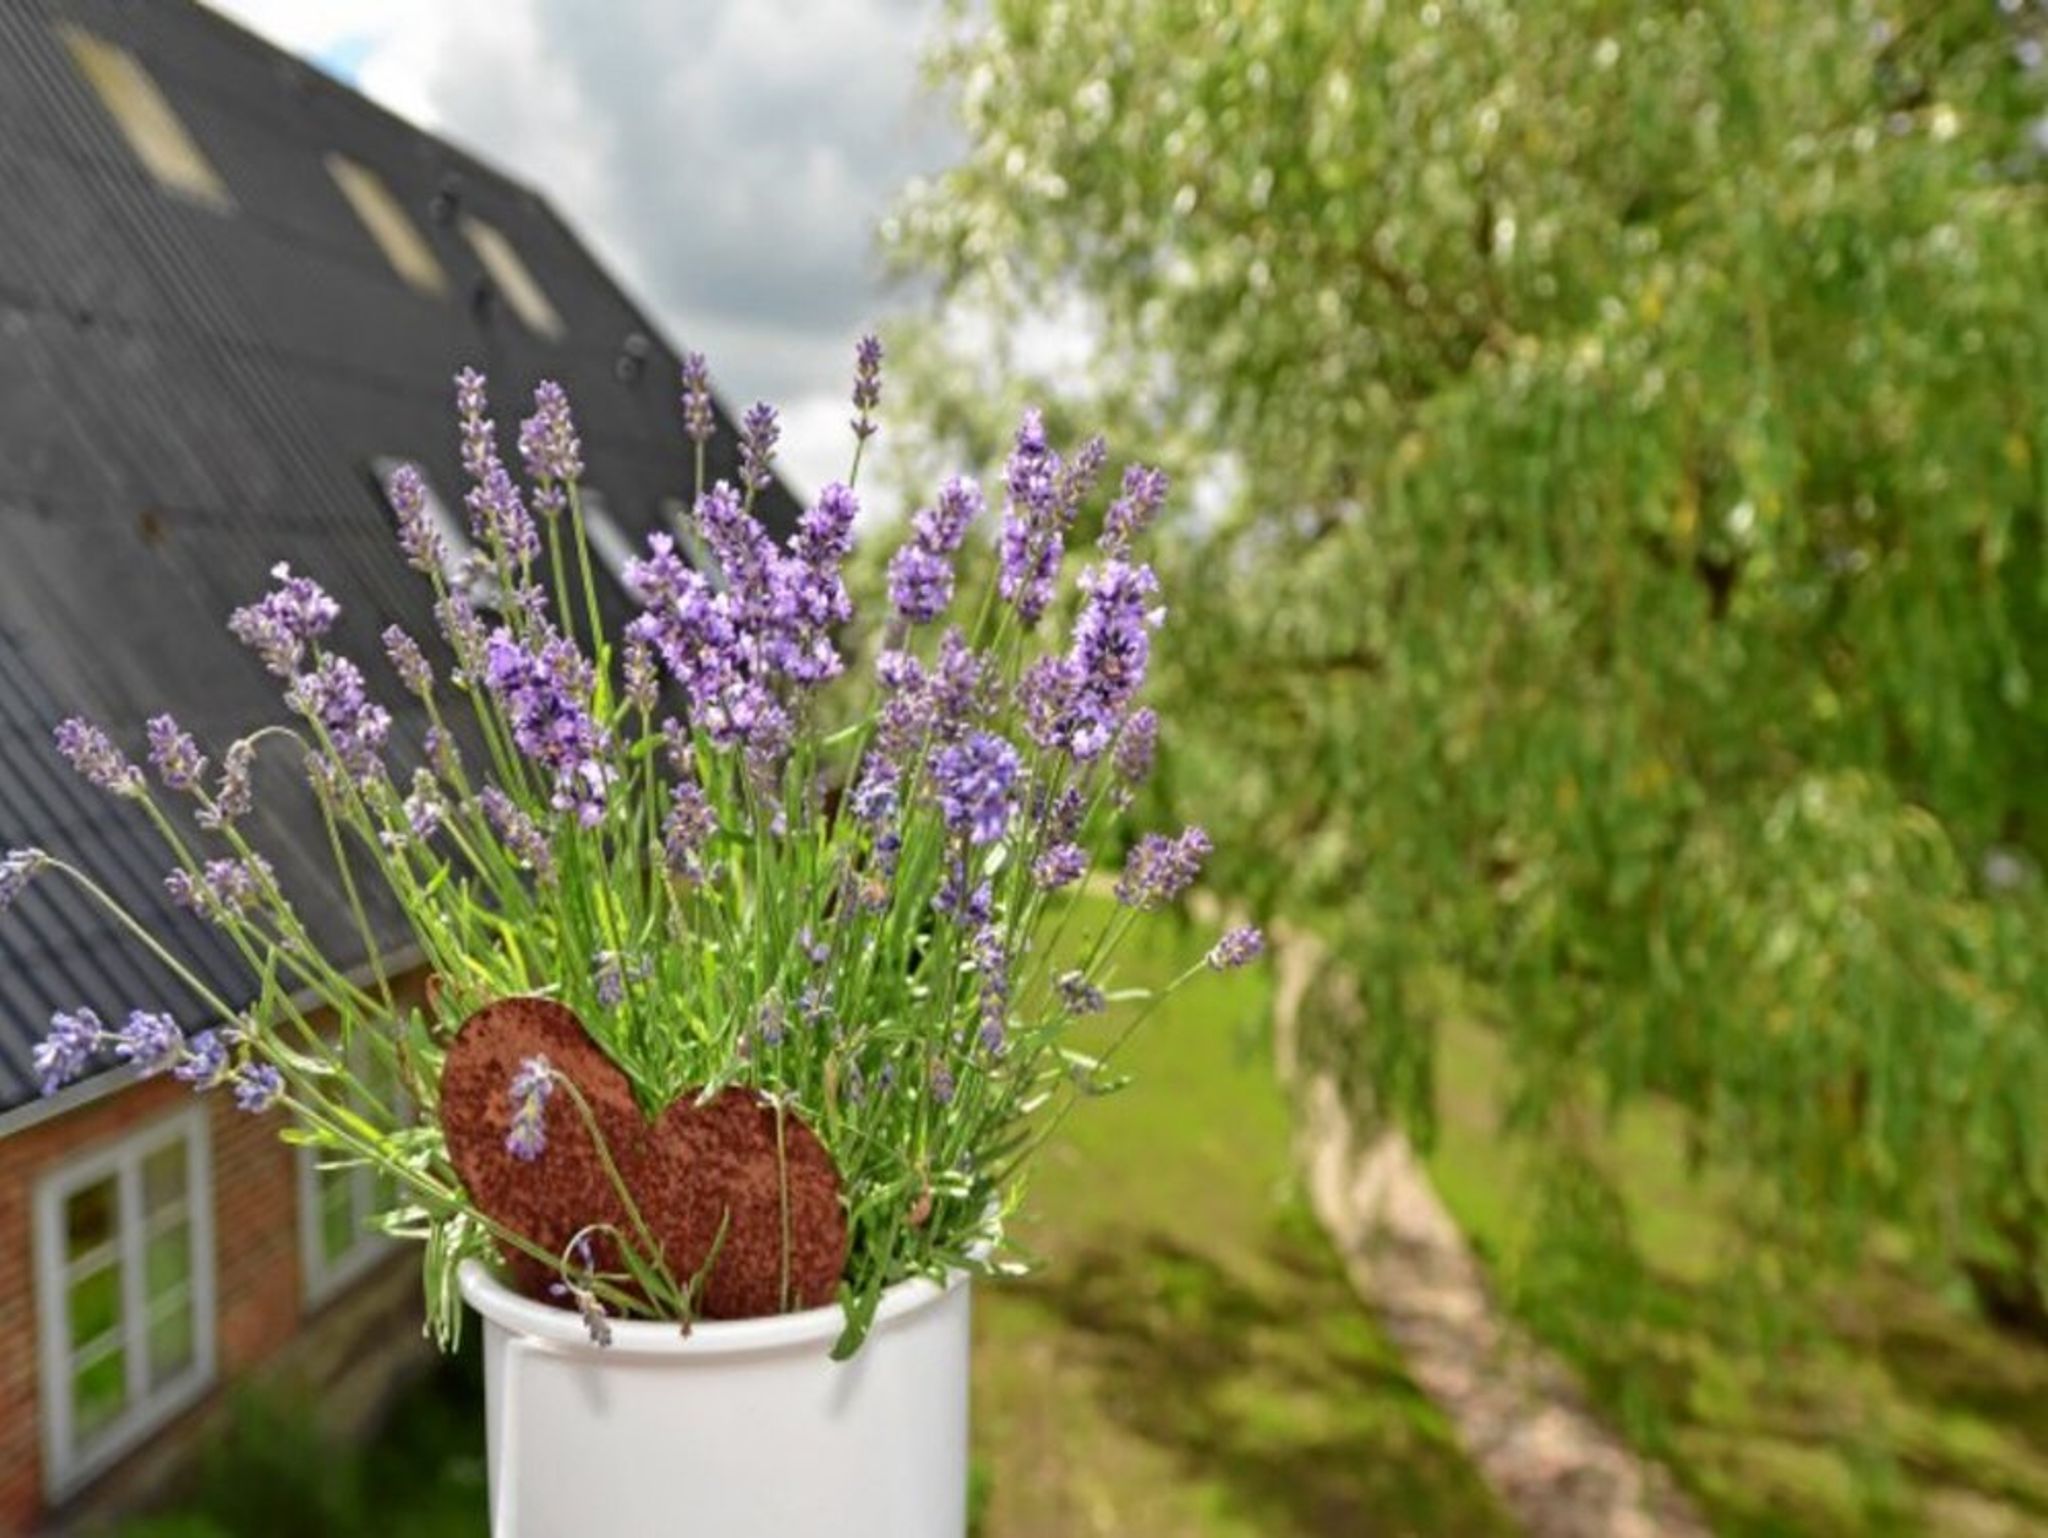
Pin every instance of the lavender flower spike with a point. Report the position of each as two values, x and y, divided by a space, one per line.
174 755
93 754
1160 869
150 1041
257 1087
65 1053
699 421
281 624
1238 947
205 1062
867 386
976 781
18 867
421 542
532 1087
549 447
760 429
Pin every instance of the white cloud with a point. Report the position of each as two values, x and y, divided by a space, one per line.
729 159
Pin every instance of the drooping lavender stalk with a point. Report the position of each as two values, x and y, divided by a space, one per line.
17 869
150 1041
205 1063
257 1087
73 1041
235 797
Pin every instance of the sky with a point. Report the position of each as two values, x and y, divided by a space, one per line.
729 160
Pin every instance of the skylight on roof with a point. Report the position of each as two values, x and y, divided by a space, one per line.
513 278
153 130
404 247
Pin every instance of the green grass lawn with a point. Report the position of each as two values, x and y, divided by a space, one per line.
1878 1407
1191 1361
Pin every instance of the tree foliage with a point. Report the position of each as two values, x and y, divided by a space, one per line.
1633 623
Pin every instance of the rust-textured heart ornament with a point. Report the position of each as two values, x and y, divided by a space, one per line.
734 1163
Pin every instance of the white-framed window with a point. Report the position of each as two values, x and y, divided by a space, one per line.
338 1201
125 1293
337 1239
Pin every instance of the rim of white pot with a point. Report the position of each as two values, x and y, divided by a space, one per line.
564 1329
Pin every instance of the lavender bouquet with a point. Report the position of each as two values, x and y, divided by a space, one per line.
738 861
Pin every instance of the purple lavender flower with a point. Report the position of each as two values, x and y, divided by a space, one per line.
331 696
958 687
281 624
205 1062
424 807
877 794
942 529
223 888
698 418
532 1087
235 797
545 691
968 906
174 755
408 661
17 869
1048 697
992 964
760 428
807 594
920 583
549 447
1160 869
867 386
1132 513
687 829
608 979
152 1042
420 541
497 513
464 632
1111 650
1238 947
1033 539
257 1087
976 783
942 1083
1060 866
641 683
1080 475
1136 745
1078 996
771 1023
442 753
69 1048
93 754
522 836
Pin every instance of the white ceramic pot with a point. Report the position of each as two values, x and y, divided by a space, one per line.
741 1428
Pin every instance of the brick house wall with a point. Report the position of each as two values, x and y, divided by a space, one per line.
352 1350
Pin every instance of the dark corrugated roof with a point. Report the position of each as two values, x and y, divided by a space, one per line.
189 396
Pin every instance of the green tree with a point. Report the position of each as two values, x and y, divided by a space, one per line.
1632 623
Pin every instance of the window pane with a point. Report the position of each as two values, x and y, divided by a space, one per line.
95 1305
170 1343
99 1393
163 1176
168 1260
338 1217
89 1218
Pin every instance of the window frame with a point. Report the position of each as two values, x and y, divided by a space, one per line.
156 135
407 249
69 1465
323 1280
